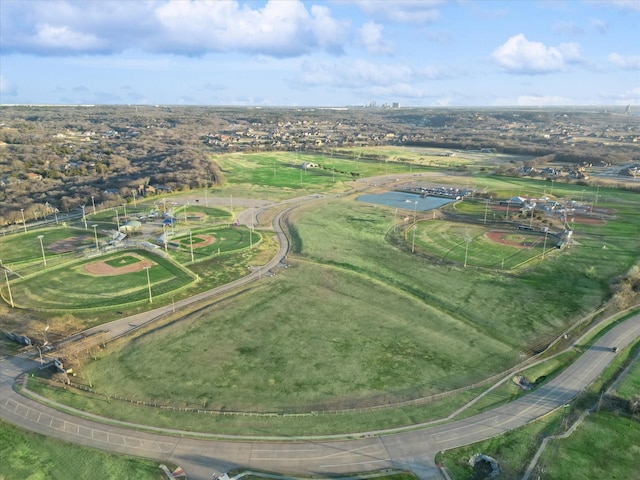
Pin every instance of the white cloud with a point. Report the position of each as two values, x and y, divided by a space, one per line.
355 73
599 26
7 87
67 27
630 62
277 29
519 55
55 38
402 11
542 100
371 38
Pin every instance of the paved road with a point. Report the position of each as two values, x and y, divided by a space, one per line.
413 449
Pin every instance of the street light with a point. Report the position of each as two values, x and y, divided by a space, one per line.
124 205
95 234
149 284
93 202
415 210
45 335
44 259
24 224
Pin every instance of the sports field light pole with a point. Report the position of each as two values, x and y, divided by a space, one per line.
544 248
95 234
149 284
164 235
413 243
467 240
486 208
6 276
124 205
44 259
24 224
117 219
533 208
84 218
93 203
191 245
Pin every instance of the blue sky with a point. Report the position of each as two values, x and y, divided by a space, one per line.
320 53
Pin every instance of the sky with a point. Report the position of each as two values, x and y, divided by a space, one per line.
422 53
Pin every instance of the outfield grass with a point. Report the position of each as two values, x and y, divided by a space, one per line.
69 287
20 249
455 242
27 455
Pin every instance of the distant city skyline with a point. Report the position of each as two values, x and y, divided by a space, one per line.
421 53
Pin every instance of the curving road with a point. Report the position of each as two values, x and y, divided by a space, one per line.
413 449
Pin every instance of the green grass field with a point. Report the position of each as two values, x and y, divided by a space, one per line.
605 445
22 249
262 353
284 170
454 241
27 455
70 287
